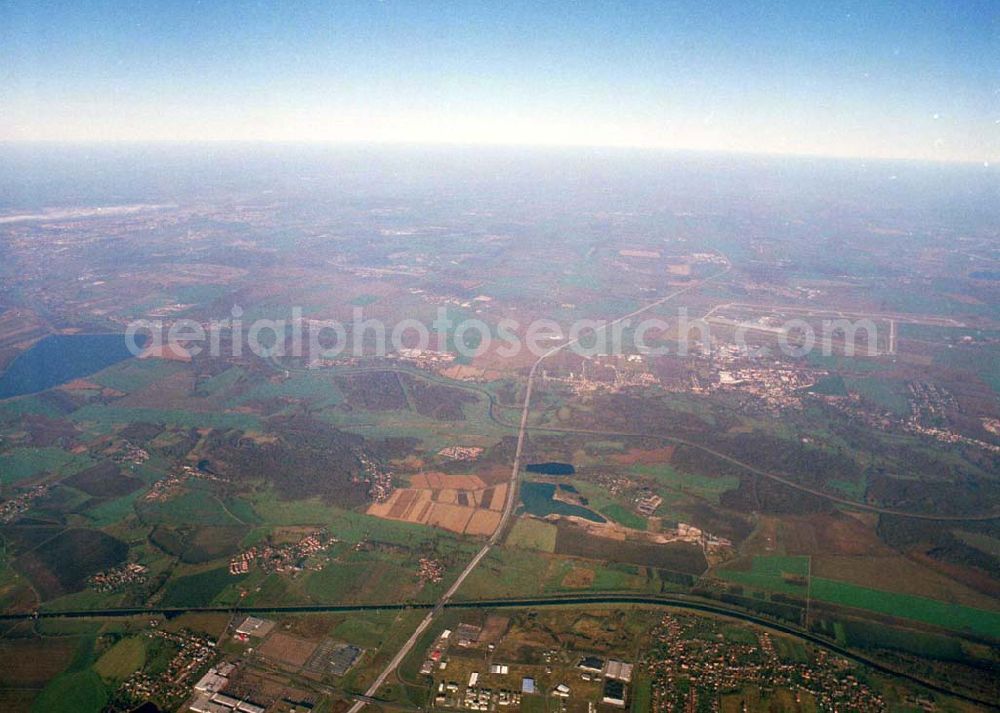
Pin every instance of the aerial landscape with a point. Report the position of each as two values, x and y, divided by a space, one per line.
465 418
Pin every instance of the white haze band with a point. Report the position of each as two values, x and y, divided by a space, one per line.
508 338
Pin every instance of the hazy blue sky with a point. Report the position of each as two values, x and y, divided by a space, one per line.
912 79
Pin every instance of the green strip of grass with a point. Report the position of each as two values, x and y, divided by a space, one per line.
905 606
779 574
642 695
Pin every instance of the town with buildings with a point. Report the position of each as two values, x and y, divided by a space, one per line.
11 509
430 570
378 477
185 669
171 485
292 557
691 665
462 453
117 579
131 454
424 358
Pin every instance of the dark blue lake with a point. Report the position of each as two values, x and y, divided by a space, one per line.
59 358
538 500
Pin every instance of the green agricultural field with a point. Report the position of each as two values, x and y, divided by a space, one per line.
366 577
776 573
433 434
534 704
345 525
221 382
623 516
195 545
241 510
198 294
611 578
868 635
336 582
509 572
789 575
77 692
112 511
107 416
697 485
781 564
533 534
199 589
887 393
642 695
791 649
122 659
34 404
904 606
366 630
24 463
135 374
316 387
78 689
738 634
194 507
84 599
512 572
983 361
273 589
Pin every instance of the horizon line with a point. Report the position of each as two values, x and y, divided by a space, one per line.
391 143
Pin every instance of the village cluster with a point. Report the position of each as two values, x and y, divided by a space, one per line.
464 453
688 666
118 578
928 406
424 358
166 488
193 653
11 509
131 454
378 477
430 570
290 557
